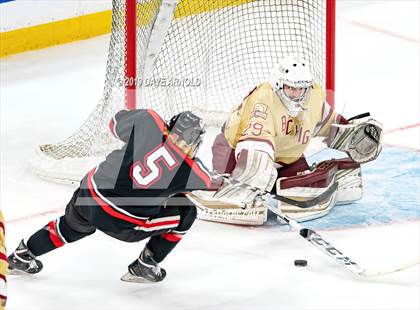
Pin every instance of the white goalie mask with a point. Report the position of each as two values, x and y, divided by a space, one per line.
293 74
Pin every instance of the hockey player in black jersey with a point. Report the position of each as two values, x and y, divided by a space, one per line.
138 192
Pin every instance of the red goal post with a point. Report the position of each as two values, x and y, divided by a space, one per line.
204 56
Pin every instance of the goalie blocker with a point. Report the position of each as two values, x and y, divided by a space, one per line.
333 181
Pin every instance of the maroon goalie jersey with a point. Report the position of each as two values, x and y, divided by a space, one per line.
148 173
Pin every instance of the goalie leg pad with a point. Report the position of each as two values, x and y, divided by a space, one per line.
213 210
313 184
350 185
254 168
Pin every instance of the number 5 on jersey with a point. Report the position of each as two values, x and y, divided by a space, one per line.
146 174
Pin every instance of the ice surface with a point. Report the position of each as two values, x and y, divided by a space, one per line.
45 95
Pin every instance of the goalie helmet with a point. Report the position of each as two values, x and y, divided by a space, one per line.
187 130
292 72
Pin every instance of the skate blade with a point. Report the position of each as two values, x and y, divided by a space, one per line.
128 277
17 272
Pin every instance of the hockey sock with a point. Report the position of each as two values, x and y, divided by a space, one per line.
162 245
52 236
45 240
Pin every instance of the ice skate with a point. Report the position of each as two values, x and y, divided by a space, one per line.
23 261
144 269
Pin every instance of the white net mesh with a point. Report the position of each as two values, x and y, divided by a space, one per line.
231 50
213 54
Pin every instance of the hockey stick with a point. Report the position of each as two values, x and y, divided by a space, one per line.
319 242
307 203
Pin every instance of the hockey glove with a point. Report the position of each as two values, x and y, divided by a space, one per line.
361 139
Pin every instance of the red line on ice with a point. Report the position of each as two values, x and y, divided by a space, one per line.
31 216
402 128
383 31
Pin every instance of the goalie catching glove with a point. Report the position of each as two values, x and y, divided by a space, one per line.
253 168
361 139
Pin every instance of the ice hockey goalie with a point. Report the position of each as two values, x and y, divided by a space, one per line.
262 144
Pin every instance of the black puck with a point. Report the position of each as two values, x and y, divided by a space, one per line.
301 263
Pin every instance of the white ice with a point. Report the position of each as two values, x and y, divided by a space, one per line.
46 94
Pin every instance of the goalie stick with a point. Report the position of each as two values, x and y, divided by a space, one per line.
318 241
307 203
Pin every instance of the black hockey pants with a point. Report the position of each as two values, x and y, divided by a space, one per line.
77 224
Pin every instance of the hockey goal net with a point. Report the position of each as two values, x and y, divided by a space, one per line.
203 56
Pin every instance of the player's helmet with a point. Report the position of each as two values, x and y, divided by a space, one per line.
187 129
292 72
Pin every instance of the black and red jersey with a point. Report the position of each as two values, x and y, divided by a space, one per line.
146 174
